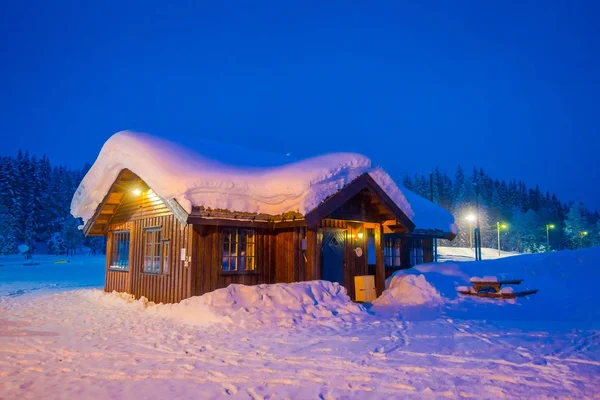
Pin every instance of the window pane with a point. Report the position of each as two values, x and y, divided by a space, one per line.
165 254
152 250
119 256
225 263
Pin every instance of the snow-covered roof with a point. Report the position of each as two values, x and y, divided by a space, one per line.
192 179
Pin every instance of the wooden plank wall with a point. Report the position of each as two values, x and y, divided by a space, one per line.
427 250
290 260
314 247
143 206
167 288
116 280
207 262
279 258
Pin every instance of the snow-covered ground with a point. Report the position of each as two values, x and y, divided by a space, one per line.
51 273
307 340
468 254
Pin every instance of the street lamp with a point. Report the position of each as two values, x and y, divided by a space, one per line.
548 227
471 219
500 226
581 236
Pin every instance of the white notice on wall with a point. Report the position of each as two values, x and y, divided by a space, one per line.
183 254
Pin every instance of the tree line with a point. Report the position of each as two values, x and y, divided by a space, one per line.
535 221
35 200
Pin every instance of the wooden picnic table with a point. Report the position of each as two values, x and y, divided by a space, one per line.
495 286
493 289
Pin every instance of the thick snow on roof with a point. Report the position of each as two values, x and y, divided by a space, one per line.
174 172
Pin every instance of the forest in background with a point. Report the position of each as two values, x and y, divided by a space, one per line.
35 200
525 211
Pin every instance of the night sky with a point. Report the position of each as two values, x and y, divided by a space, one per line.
513 88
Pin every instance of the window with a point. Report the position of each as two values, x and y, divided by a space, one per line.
156 252
165 254
238 250
392 252
416 252
119 251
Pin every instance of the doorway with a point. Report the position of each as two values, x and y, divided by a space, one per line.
334 248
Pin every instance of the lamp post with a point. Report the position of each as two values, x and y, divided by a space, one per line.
548 227
503 226
478 233
471 219
581 236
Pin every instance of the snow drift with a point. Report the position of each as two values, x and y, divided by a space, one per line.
286 305
174 172
403 289
567 283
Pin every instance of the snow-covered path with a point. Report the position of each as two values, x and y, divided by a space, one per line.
85 344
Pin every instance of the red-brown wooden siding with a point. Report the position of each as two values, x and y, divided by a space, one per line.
165 288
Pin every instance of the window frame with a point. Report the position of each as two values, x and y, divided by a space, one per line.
415 245
116 241
238 250
159 252
392 252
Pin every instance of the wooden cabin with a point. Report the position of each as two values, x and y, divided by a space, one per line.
159 250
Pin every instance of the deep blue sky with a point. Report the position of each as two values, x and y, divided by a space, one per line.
510 87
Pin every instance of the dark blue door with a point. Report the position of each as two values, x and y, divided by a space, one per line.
334 246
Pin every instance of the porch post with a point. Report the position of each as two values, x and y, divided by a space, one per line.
379 261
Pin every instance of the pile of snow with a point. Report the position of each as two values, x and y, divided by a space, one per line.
174 172
467 254
484 279
282 304
567 283
405 289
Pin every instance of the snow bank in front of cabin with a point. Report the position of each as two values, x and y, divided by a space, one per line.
403 289
282 304
174 172
567 282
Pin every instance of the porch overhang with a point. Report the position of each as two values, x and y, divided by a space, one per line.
362 200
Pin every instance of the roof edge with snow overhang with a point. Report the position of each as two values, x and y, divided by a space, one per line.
185 180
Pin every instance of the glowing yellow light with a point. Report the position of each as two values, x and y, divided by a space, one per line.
551 226
504 226
137 192
584 233
151 195
470 218
360 235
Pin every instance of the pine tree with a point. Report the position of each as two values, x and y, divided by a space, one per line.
575 225
408 183
71 235
8 241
